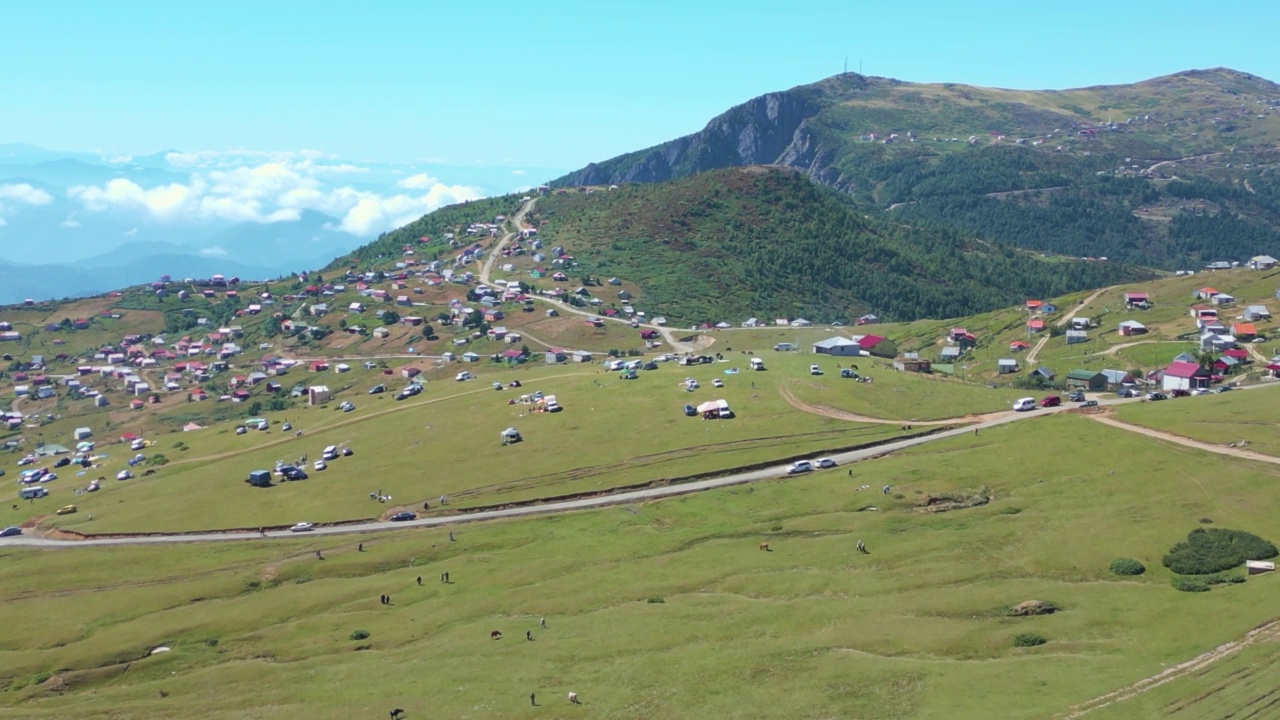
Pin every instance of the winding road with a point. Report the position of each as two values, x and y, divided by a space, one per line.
1062 322
653 493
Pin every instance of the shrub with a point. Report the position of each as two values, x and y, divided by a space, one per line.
1212 550
359 634
1190 584
1028 640
1206 521
1127 566
1011 511
656 600
211 642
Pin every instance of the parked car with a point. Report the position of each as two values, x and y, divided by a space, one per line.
1222 389
68 510
1024 404
62 462
1129 393
1179 393
815 370
1089 403
464 375
319 465
1051 401
1200 391
800 466
403 516
377 389
348 452
1075 396
11 531
824 463
286 427
346 406
497 386
124 475
717 382
690 410
302 527
1157 396
293 473
241 430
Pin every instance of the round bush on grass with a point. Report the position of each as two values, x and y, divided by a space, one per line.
1127 566
1212 550
1028 640
359 634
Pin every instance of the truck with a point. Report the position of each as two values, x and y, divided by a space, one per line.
259 478
551 404
30 493
757 363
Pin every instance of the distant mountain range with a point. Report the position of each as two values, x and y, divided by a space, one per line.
1171 172
75 223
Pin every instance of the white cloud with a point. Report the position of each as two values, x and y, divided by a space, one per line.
214 251
373 213
517 172
2 222
278 187
165 202
421 181
131 232
24 193
70 223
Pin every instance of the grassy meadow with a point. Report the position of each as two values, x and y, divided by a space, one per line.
669 609
1222 419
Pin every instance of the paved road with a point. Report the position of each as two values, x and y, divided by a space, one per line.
770 473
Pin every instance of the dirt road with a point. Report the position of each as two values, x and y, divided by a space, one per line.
1186 441
1062 322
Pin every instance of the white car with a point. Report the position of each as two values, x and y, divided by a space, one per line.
346 406
815 370
319 465
464 375
824 463
124 475
1200 391
718 383
800 466
302 527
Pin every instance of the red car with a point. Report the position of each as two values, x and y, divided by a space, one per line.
1051 401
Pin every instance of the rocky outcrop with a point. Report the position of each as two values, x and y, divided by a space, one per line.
769 130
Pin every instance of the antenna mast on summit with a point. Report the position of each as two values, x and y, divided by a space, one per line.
846 64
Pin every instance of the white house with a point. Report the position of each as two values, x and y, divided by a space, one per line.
1077 336
1007 365
1215 342
840 346
1262 262
1257 312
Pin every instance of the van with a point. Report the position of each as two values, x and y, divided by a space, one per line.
757 364
1024 404
551 404
330 453
1051 401
784 347
30 493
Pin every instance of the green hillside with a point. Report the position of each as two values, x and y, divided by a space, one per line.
1172 172
730 244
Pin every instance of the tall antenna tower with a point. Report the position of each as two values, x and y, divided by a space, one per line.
846 64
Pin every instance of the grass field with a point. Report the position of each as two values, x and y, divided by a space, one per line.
445 442
669 609
1222 419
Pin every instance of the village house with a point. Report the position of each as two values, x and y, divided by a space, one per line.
1035 325
1222 299
838 346
1044 373
1137 300
410 372
913 364
555 355
1185 376
1085 380
1018 346
1256 312
950 353
318 394
1077 336
1118 378
1214 342
1244 331
1262 262
1081 323
381 333
581 356
1205 293
1130 328
1033 306
1006 366
876 346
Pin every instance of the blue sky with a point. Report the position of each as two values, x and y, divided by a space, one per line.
543 84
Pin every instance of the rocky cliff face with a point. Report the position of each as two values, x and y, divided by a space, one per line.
769 130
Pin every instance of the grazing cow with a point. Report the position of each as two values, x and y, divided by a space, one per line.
495 635
573 698
395 714
765 546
